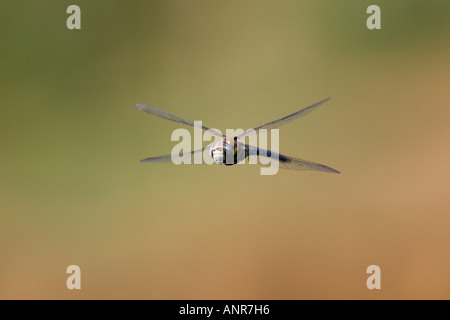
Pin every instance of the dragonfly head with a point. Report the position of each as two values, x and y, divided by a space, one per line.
219 151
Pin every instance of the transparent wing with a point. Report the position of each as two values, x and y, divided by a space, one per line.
278 123
168 157
286 162
168 116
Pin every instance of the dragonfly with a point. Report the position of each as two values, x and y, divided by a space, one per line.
232 150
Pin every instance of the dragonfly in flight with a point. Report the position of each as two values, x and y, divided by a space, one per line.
231 150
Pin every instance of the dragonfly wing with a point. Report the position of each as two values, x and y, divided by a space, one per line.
168 116
168 157
278 123
291 163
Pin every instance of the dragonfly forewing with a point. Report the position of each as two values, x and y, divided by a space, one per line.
168 116
282 121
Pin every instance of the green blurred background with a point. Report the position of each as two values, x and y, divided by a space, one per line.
72 190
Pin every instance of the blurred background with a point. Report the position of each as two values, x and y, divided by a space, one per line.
72 190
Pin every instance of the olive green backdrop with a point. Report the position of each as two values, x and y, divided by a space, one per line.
72 190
